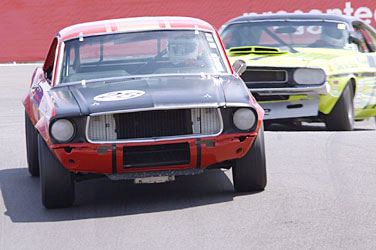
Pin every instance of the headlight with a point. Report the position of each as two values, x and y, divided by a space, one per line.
309 76
62 130
244 119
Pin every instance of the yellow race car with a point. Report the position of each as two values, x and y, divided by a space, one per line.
307 67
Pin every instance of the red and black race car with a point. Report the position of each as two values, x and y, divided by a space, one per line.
146 99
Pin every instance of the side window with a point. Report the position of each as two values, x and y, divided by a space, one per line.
71 60
368 38
49 62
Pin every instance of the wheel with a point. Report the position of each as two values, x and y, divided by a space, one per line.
249 172
57 184
31 147
341 118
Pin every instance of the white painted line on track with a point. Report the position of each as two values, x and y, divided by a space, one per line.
20 64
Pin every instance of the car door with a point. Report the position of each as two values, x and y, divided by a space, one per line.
365 99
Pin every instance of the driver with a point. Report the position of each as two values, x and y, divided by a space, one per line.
333 36
183 50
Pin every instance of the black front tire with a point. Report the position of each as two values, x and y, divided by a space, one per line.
249 172
31 147
57 183
341 118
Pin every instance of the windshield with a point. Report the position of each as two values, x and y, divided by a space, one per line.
286 35
141 53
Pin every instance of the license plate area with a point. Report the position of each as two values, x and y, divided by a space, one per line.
156 155
155 179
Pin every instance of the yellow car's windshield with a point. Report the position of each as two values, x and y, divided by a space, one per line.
287 34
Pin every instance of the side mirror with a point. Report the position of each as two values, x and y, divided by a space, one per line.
239 66
355 38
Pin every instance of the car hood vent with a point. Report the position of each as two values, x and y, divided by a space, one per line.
255 50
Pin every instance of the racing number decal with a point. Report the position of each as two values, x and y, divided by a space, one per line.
119 95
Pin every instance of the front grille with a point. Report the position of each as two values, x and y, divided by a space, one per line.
156 155
261 78
152 124
265 98
252 75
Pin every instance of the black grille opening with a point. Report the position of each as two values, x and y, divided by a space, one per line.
265 76
265 98
156 155
153 124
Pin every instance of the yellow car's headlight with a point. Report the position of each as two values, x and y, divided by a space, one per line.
309 76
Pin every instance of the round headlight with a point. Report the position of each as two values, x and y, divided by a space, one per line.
309 76
62 130
244 119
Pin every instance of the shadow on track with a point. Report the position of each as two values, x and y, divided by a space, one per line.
104 198
367 125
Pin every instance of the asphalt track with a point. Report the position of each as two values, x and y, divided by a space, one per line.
320 195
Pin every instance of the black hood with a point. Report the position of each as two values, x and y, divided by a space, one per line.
152 92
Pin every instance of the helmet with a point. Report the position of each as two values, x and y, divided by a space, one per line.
333 35
183 48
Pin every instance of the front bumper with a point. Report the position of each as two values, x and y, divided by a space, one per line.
109 158
291 109
305 107
323 89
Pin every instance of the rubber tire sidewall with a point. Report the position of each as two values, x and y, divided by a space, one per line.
31 136
338 119
249 172
57 183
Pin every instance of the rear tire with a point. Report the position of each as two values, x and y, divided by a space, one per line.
57 184
31 147
341 118
249 172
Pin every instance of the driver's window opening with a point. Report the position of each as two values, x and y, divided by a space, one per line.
49 62
367 39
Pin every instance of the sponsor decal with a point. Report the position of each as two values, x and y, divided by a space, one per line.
363 12
209 37
341 26
118 95
37 95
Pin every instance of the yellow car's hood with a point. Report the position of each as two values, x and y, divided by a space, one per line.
303 57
